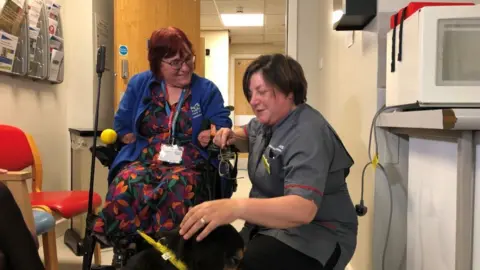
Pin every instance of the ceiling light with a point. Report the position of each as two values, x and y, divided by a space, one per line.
242 19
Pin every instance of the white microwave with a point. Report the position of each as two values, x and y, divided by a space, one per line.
433 58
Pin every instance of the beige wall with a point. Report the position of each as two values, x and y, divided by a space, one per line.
347 96
256 48
216 64
46 110
41 110
344 85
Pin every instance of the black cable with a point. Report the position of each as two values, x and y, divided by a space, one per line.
373 131
363 181
390 215
71 172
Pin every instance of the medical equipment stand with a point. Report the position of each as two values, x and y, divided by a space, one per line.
89 240
441 159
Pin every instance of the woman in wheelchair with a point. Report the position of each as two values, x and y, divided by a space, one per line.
153 179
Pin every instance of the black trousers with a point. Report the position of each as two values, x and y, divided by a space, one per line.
16 241
265 252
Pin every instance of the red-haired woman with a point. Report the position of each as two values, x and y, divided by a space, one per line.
153 178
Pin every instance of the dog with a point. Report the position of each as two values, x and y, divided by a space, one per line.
222 249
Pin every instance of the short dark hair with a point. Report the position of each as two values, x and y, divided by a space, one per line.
280 71
165 43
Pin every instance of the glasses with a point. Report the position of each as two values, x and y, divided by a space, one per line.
224 165
177 64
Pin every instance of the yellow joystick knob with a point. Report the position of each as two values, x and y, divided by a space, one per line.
108 136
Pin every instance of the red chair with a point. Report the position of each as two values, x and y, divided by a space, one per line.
18 152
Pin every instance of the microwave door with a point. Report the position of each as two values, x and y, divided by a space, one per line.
458 52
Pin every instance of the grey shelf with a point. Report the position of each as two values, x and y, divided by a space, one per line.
19 29
39 63
33 56
58 33
437 119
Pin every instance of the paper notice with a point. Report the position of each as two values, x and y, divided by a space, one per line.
103 36
54 11
56 43
19 3
56 61
52 26
33 32
34 9
48 3
8 46
11 17
102 32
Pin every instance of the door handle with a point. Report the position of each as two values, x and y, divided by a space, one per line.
124 68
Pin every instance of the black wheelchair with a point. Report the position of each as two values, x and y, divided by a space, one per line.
217 182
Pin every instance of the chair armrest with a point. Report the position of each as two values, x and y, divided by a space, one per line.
16 181
16 176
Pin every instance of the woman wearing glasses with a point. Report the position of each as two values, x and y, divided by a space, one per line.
153 178
299 214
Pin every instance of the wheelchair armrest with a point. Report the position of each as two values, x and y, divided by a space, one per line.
107 154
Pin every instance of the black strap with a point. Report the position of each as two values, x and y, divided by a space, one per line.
267 136
394 35
235 173
333 260
400 34
211 180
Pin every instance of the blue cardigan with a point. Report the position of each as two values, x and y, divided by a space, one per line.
206 103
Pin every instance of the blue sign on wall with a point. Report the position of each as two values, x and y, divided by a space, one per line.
123 50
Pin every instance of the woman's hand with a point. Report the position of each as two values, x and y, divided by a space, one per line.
3 171
204 138
210 215
224 137
128 138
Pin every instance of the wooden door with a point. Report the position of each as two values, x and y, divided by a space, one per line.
135 20
200 58
243 111
242 107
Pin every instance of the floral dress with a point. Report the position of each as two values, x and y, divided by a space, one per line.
148 194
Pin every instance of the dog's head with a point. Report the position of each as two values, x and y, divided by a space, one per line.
222 249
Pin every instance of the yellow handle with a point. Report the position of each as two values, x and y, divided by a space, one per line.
265 163
166 253
375 162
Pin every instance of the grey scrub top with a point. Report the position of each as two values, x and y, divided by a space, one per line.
305 157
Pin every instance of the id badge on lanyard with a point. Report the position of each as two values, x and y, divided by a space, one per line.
171 152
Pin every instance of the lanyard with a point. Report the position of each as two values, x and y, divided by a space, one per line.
172 120
267 136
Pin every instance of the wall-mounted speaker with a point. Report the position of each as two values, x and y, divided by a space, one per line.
350 15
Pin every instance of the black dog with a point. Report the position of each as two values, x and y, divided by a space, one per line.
222 249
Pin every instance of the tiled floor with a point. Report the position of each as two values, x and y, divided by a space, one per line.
68 261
